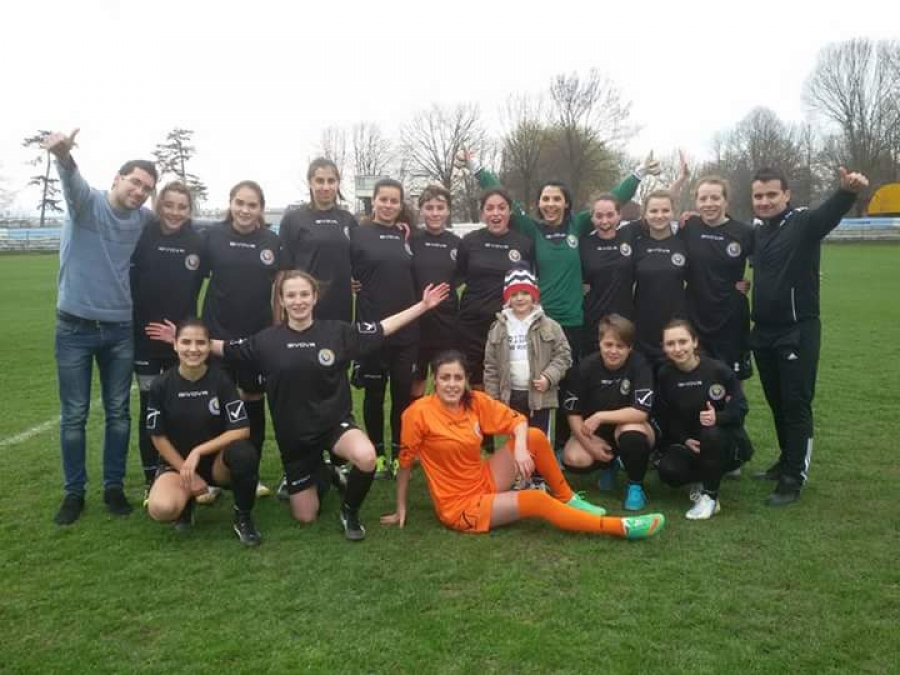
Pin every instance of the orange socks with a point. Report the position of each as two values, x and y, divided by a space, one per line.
538 504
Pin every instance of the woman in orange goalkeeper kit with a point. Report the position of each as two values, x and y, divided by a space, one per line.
470 494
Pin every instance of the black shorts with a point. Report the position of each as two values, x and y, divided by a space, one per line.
246 377
731 345
204 468
148 369
385 362
302 460
471 337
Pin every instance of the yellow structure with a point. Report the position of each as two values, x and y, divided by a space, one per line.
885 201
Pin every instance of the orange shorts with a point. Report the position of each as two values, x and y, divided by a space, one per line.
474 517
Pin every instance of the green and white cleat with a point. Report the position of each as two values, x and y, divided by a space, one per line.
579 502
643 527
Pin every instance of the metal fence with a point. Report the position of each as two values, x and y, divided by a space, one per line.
851 229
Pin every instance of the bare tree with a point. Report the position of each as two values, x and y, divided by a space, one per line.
760 140
522 145
434 137
172 157
589 118
855 85
431 142
371 150
333 146
49 186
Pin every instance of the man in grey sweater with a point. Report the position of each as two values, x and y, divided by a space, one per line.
94 316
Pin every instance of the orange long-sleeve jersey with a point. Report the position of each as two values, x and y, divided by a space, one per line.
448 445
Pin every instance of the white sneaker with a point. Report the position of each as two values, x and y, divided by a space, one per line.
262 490
704 509
211 495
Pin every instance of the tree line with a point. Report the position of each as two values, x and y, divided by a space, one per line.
576 130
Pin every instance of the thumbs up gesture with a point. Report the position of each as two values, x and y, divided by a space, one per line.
708 416
852 181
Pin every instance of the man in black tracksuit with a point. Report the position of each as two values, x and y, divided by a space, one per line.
786 328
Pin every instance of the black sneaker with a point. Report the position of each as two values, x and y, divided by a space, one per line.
185 521
786 492
772 473
70 509
116 502
353 529
245 529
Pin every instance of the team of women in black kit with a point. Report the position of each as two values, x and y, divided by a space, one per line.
665 339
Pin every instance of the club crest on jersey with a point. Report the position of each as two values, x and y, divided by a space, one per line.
453 254
717 392
267 256
214 405
733 249
625 386
514 255
192 262
572 241
678 260
625 249
326 357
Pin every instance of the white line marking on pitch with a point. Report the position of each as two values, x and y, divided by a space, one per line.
42 427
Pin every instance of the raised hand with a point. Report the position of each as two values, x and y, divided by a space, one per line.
852 181
433 295
59 144
164 332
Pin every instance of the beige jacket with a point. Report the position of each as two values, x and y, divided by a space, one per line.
549 354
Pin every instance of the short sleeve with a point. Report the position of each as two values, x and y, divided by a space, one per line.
243 349
411 435
234 407
155 420
361 338
573 394
642 385
495 417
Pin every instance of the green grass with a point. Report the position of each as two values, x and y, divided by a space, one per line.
811 588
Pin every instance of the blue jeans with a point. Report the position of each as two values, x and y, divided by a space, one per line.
78 343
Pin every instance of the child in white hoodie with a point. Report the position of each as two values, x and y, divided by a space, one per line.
526 354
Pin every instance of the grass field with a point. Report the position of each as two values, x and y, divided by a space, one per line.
814 588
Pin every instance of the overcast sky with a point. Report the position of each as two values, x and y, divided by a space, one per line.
259 81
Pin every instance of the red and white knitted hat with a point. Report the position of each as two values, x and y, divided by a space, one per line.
520 279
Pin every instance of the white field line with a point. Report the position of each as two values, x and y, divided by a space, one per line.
42 427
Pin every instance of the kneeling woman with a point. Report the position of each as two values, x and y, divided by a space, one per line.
304 361
198 424
609 410
701 409
444 432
